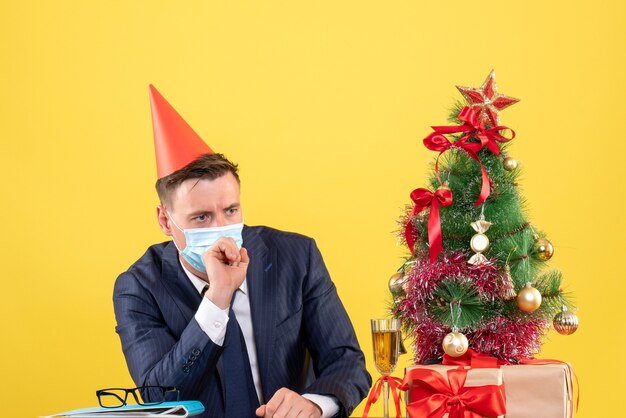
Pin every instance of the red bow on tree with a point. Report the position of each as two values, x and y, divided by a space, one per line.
437 141
424 198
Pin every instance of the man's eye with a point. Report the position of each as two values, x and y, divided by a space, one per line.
232 211
201 218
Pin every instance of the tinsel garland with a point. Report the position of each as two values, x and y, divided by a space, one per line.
425 276
510 338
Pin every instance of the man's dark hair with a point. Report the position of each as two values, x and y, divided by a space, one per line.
205 167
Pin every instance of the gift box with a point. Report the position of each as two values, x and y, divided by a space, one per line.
531 390
438 390
538 390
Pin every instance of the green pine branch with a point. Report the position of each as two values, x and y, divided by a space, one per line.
552 297
457 304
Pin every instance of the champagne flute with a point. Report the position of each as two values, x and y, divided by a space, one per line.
386 342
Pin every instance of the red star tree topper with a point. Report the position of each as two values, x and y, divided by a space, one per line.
486 101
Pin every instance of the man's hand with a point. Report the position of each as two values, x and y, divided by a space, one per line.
226 267
288 404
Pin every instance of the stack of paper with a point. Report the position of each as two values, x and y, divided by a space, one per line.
165 409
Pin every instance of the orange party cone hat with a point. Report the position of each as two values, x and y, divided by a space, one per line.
176 144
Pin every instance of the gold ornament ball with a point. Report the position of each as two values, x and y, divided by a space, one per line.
528 299
395 284
543 249
406 285
565 323
479 243
509 164
455 344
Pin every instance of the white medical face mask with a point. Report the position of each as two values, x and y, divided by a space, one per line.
201 239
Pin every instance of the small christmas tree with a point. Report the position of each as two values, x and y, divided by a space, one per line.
476 275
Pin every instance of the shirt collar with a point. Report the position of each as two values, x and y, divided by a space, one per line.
199 284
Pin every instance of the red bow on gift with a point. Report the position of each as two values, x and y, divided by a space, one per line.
434 396
424 198
394 384
437 141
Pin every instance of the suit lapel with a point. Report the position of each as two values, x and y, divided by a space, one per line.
261 280
180 288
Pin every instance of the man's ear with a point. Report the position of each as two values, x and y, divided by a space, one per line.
164 220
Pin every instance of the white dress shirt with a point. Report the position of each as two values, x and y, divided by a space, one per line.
213 321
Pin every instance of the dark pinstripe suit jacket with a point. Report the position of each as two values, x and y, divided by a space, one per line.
295 309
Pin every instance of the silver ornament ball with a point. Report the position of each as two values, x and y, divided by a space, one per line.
566 322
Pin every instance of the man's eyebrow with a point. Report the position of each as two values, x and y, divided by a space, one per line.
233 205
199 212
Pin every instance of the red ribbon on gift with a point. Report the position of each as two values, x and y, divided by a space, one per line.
394 385
435 396
437 141
474 359
424 198
484 361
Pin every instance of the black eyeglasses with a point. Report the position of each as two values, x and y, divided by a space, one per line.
117 397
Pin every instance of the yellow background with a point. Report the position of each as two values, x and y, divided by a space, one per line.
324 105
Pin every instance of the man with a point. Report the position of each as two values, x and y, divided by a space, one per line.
228 314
